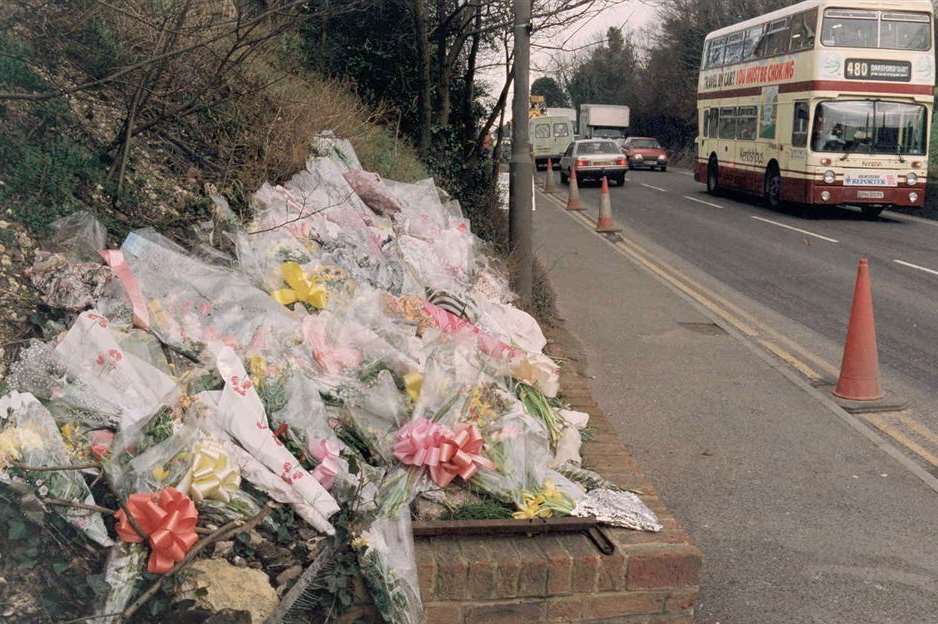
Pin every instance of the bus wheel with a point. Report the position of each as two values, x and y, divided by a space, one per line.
773 188
713 177
872 212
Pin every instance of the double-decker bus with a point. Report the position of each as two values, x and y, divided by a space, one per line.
825 102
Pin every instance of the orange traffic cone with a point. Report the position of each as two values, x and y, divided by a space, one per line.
859 371
549 178
605 222
573 200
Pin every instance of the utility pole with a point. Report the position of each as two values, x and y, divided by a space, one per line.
521 190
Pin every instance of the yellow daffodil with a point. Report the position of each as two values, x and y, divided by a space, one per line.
302 287
257 367
9 447
413 382
159 473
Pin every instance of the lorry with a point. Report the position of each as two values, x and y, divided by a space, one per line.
569 113
603 121
550 136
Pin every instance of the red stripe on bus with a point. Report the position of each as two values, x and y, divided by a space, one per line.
826 85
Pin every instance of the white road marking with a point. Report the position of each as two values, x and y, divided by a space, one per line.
915 266
687 173
794 229
705 203
901 216
657 188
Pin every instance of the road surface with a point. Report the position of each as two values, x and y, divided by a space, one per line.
794 271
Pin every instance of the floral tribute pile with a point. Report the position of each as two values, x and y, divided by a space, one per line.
352 347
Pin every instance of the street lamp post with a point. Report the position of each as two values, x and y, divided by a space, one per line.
522 165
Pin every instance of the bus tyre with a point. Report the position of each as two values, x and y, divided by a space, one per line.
872 212
773 188
713 177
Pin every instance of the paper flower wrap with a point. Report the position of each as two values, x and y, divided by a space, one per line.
241 414
167 520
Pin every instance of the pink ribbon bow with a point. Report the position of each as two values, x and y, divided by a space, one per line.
446 453
168 520
326 453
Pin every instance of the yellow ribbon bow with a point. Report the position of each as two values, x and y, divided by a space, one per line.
302 287
211 476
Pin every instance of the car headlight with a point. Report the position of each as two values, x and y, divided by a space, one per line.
829 177
912 179
662 157
638 157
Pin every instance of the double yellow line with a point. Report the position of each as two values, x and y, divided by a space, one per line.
729 313
813 368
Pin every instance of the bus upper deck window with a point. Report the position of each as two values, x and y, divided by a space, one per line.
753 37
734 48
850 29
775 40
905 31
803 27
715 53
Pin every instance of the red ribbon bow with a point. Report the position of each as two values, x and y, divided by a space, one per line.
167 519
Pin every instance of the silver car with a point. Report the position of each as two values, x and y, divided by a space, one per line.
593 159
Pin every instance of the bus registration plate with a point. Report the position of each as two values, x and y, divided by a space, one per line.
857 178
871 195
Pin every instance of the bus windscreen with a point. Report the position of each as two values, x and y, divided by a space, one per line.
870 127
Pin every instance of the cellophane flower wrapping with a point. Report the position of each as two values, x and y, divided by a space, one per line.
386 557
125 567
35 440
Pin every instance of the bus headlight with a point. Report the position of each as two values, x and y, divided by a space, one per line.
829 177
826 196
913 197
911 179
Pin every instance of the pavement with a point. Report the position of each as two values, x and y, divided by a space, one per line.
804 513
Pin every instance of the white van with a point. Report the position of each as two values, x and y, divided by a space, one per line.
550 136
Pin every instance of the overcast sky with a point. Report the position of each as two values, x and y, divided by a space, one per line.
633 15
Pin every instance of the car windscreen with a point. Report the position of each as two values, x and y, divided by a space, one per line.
870 127
597 147
644 144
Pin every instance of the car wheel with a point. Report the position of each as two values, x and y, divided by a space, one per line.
664 167
872 212
773 188
620 180
713 177
564 178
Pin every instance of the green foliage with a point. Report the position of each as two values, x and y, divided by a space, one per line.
97 47
49 561
43 168
554 95
487 509
14 71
